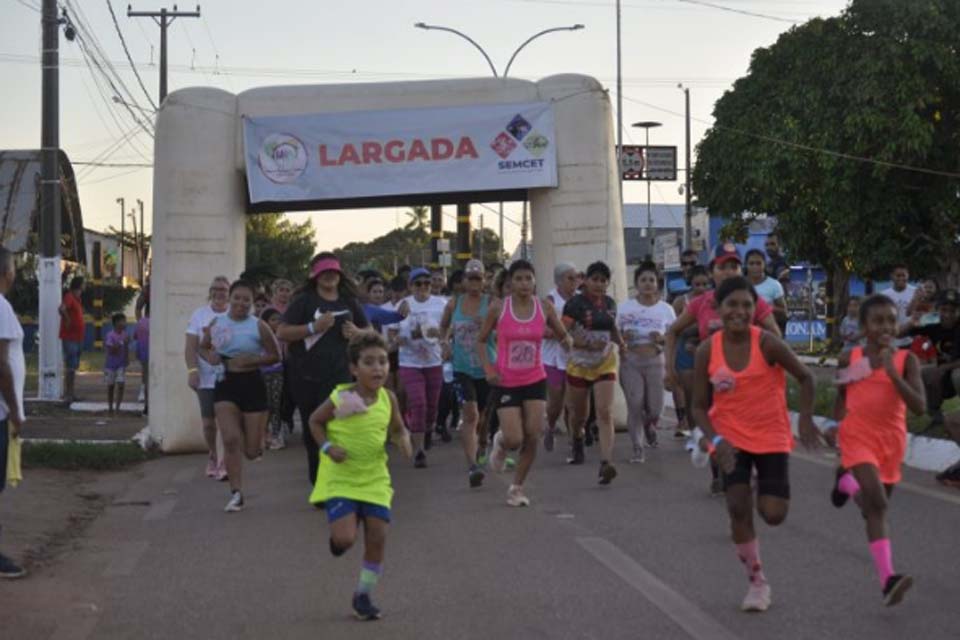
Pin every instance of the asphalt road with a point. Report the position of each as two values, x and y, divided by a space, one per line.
648 557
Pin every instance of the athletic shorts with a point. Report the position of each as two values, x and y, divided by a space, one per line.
555 377
773 477
583 383
71 355
244 389
882 450
683 361
205 396
514 397
114 376
337 508
470 389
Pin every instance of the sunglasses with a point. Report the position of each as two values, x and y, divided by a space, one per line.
421 283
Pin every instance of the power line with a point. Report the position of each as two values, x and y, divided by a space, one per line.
133 67
29 6
82 163
752 14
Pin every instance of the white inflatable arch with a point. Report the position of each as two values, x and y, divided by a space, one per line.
200 199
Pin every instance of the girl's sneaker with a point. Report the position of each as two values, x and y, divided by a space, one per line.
516 497
757 598
363 608
235 504
896 586
638 456
498 456
211 468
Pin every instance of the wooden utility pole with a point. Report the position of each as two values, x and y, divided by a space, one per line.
164 19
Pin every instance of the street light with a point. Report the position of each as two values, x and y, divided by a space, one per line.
433 27
647 125
575 27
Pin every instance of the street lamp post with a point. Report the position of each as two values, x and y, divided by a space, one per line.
646 125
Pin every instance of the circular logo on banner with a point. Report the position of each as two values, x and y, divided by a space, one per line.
282 158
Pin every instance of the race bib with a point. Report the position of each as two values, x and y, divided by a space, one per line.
522 355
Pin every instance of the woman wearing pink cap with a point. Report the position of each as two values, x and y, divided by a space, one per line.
324 314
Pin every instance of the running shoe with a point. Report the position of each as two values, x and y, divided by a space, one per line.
716 487
607 472
576 452
548 439
427 441
638 456
235 504
9 569
476 476
896 586
509 464
420 460
516 497
222 472
363 609
444 434
757 598
482 456
838 498
498 457
680 434
651 434
950 477
211 467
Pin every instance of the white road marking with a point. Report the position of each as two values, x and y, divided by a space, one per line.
160 510
126 559
696 622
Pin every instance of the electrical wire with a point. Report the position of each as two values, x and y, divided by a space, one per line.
29 6
126 51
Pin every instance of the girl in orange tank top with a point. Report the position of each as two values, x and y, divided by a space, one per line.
746 425
877 383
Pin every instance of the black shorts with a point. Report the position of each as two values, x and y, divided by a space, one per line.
773 477
514 397
244 389
470 389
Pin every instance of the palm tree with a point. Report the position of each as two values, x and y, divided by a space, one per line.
419 219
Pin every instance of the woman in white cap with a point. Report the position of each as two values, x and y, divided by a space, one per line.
566 279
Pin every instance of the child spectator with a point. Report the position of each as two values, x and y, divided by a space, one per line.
850 325
142 336
115 368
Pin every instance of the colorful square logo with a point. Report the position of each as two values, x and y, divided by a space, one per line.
536 144
503 145
519 127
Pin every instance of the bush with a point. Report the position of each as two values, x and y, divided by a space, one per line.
76 456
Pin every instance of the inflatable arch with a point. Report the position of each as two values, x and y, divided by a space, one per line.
201 200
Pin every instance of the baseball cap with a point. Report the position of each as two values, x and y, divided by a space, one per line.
473 267
949 297
725 252
419 272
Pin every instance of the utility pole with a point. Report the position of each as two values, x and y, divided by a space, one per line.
136 245
143 247
688 218
50 290
619 153
523 233
481 237
164 19
123 228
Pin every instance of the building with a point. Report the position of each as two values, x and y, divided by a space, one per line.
667 222
110 261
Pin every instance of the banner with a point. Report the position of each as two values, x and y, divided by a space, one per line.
361 154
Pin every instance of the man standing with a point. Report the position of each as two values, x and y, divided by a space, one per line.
777 267
677 287
13 372
901 292
72 332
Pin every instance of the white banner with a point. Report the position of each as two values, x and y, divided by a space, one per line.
360 154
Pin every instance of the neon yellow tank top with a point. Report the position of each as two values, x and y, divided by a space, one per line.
363 475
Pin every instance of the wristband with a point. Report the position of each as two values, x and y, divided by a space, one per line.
311 330
326 446
192 370
716 441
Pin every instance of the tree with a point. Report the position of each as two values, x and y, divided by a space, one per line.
486 243
277 248
813 132
419 219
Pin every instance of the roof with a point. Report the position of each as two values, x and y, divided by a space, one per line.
663 216
20 172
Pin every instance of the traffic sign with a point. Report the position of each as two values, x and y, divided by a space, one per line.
654 163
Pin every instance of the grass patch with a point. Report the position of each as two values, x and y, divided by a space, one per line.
89 361
77 456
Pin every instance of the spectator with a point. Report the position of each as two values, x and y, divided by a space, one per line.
951 475
438 283
777 267
677 287
923 307
941 380
766 287
901 292
13 372
850 331
117 346
281 290
260 302
72 332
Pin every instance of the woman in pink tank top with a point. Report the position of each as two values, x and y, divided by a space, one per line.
746 427
878 383
519 321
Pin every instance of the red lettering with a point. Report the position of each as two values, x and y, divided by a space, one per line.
324 160
466 148
371 152
349 154
394 151
418 150
441 148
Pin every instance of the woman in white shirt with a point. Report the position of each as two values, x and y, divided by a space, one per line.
421 359
643 322
766 287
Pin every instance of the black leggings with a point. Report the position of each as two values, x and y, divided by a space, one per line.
307 401
449 406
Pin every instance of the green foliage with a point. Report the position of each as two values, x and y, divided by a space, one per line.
74 456
277 248
882 81
399 247
25 294
419 219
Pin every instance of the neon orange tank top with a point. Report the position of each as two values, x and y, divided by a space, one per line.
873 404
750 406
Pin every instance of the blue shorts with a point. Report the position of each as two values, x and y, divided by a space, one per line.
340 507
684 357
71 354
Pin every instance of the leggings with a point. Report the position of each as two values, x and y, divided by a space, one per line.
274 383
642 382
449 406
423 394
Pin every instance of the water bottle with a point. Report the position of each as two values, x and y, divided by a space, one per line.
448 372
698 456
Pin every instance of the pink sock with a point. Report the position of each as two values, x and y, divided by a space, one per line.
848 484
749 554
882 559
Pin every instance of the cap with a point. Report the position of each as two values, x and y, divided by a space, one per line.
725 252
419 272
473 266
949 297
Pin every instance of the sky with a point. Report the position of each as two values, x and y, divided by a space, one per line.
240 44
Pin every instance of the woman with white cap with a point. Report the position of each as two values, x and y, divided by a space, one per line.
324 314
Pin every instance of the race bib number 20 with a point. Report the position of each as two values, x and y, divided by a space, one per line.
523 354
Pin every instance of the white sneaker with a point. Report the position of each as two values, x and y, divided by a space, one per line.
638 455
757 598
498 457
516 497
235 504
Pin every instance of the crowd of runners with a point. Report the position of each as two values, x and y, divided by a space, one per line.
409 360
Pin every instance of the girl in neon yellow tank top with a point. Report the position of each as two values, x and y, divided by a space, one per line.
353 482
